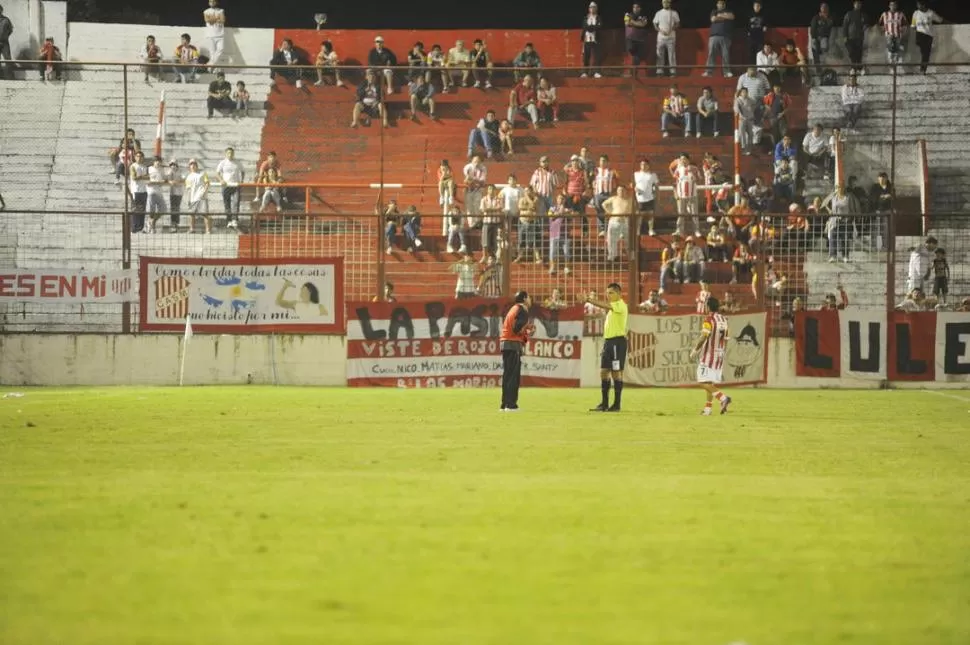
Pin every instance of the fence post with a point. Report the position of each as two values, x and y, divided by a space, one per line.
126 214
633 231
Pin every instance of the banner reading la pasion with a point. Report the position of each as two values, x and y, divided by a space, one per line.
873 345
658 350
455 343
239 296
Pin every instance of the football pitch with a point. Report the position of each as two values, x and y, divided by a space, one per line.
256 515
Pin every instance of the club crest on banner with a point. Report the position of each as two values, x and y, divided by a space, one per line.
171 297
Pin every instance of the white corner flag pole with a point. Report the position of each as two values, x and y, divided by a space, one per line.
185 343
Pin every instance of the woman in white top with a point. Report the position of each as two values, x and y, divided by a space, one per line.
307 305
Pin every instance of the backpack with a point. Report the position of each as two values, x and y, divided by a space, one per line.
829 77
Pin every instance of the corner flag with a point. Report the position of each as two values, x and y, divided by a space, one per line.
188 328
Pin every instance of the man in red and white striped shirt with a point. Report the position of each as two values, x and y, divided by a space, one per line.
895 26
544 181
676 109
604 183
687 177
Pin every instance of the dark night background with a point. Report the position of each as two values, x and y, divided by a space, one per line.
442 14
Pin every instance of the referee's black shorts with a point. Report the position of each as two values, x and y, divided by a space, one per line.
614 354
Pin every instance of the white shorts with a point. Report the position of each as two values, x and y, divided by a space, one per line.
707 374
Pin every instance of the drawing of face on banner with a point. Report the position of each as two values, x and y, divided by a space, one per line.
745 358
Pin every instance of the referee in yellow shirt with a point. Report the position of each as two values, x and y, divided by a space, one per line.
614 347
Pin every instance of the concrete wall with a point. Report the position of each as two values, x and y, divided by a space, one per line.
95 359
33 21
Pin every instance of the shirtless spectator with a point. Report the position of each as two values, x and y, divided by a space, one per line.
186 59
220 95
383 59
620 209
523 98
526 59
485 134
328 61
151 55
460 59
286 61
369 101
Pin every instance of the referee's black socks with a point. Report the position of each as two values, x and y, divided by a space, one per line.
605 387
618 393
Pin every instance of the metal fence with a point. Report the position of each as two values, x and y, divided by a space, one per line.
69 200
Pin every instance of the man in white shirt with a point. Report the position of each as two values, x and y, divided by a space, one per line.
511 193
138 180
923 21
645 183
231 174
666 22
154 189
852 99
196 187
767 62
215 29
815 145
176 183
475 174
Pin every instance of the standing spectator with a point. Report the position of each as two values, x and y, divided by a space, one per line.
523 97
215 31
124 154
482 64
923 21
50 54
645 183
465 268
676 109
839 227
756 32
529 227
559 235
896 27
819 32
176 182
528 58
436 60
881 197
369 100
284 57
635 29
231 174
475 175
196 188
417 61
791 61
151 55
485 134
748 123
920 258
490 282
6 29
241 98
446 187
577 189
815 145
392 217
460 58
777 104
219 95
186 57
786 149
852 99
719 42
835 140
545 182
383 59
604 183
327 60
666 22
546 101
138 186
854 27
506 137
707 111
687 176
592 24
941 276
511 193
491 208
421 95
153 193
620 209
388 294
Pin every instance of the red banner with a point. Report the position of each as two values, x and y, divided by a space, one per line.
817 344
912 346
455 343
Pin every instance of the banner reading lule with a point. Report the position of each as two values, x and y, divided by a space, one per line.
68 287
658 349
300 296
455 343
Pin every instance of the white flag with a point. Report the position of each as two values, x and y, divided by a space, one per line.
188 328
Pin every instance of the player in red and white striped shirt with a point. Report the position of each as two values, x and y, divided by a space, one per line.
710 350
687 177
895 26
604 183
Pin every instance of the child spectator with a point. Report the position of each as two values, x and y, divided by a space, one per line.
151 55
241 97
941 276
417 61
50 53
505 137
446 187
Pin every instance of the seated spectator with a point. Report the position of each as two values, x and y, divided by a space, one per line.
388 294
220 92
369 100
914 301
707 111
815 145
767 62
186 59
456 231
831 304
526 59
670 262
559 234
465 268
797 228
692 262
417 61
749 123
784 185
481 64
676 109
151 55
459 58
791 61
964 306
327 61
852 100
555 301
742 218
530 237
392 218
546 101
241 98
777 104
383 59
283 58
523 98
506 137
716 247
787 150
272 192
446 186
124 154
436 60
485 134
421 95
728 304
759 194
654 304
271 162
50 53
742 264
412 228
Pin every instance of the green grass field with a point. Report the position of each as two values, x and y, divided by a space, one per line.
257 515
